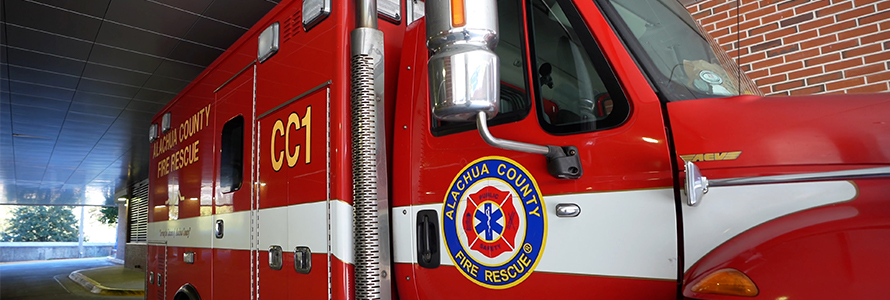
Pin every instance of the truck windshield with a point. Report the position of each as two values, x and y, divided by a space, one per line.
681 61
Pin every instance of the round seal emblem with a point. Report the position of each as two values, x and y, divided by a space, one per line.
494 223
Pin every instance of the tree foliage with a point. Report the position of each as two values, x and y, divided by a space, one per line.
41 224
107 215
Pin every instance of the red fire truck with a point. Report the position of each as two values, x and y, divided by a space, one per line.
509 149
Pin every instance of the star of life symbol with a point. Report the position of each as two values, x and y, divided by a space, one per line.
491 222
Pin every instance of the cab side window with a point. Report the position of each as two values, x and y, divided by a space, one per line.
577 91
514 101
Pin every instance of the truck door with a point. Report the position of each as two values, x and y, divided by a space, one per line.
474 221
232 221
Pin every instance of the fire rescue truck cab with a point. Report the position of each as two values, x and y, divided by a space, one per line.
509 149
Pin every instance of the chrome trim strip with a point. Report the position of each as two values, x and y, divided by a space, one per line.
310 91
236 75
845 174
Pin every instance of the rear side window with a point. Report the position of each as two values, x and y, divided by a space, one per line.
231 162
577 91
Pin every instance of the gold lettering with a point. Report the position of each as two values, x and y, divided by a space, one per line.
501 166
277 129
511 177
709 156
292 119
535 211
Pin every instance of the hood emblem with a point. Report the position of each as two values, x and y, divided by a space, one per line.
711 156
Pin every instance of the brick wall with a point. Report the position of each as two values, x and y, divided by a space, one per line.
800 47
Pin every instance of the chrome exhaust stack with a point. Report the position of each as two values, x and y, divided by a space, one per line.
370 196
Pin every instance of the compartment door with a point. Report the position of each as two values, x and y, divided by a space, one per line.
293 198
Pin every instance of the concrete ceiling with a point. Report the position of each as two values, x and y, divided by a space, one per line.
81 79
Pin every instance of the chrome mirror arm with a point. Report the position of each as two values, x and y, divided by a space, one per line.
562 162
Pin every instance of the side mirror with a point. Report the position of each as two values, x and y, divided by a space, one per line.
464 75
463 70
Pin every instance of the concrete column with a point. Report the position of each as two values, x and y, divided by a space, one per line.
80 234
122 224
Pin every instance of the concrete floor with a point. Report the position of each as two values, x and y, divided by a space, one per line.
48 280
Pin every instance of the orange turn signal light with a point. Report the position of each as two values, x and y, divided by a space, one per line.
727 282
458 13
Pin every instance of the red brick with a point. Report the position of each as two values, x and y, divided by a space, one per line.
714 18
859 31
788 85
883 6
818 42
768 63
786 67
841 92
824 78
845 64
855 13
833 9
802 55
859 51
745 68
751 41
864 70
765 90
708 4
837 27
796 19
727 39
878 17
692 9
745 8
839 46
724 7
843 84
808 90
883 36
726 23
871 88
878 57
701 14
764 28
719 32
859 3
781 33
782 50
885 25
753 57
886 45
799 37
805 72
823 59
813 5
766 46
760 12
749 24
817 23
709 27
790 4
883 76
758 74
771 80
777 16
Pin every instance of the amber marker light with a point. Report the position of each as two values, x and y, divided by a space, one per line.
458 13
727 282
